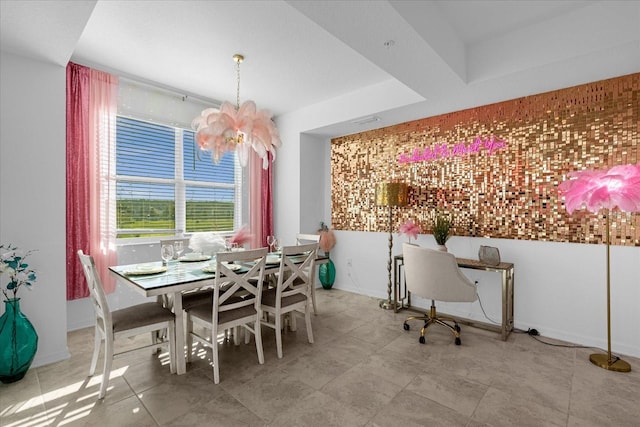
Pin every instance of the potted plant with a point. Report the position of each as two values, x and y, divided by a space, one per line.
18 337
441 229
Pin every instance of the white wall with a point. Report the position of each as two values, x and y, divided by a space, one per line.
32 190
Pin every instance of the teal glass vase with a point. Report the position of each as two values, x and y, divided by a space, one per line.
327 273
18 342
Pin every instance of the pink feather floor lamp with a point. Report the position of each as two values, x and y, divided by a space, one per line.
615 188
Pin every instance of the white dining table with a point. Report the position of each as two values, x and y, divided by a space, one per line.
149 280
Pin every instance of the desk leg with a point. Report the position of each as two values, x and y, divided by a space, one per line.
181 364
504 305
507 303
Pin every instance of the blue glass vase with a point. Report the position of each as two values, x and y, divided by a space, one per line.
327 273
18 342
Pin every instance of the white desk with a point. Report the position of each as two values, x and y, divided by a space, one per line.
402 297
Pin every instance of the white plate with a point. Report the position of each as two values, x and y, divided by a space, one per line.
194 258
273 259
140 270
211 268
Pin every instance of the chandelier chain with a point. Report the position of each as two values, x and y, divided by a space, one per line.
238 58
238 86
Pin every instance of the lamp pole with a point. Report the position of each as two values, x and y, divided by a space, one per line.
388 304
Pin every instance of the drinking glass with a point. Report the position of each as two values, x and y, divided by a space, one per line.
270 241
166 253
178 248
277 245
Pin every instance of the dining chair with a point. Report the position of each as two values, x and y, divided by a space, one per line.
435 275
301 239
236 303
292 293
127 322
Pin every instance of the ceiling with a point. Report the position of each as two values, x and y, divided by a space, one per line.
446 55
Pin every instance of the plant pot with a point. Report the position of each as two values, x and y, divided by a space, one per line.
18 342
327 273
442 248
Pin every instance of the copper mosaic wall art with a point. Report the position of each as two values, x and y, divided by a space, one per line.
507 191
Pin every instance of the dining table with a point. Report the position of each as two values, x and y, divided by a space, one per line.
187 273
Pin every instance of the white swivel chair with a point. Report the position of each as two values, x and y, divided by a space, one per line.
435 275
292 293
127 322
302 239
236 302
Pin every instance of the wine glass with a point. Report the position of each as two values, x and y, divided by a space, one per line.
227 244
178 248
270 241
277 245
166 253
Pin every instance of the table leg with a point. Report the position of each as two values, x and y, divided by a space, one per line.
181 364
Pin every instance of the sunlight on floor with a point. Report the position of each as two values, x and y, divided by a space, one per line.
55 413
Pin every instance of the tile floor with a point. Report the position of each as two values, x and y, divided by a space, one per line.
363 370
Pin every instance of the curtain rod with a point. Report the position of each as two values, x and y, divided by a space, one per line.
149 83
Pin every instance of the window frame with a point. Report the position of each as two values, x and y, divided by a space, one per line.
180 184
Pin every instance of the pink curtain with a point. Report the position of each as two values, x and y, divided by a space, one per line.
260 201
91 226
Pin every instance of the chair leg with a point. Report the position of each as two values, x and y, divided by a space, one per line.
307 318
247 335
108 359
257 331
97 343
236 335
278 319
214 352
313 298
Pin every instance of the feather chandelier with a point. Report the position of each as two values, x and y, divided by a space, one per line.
238 128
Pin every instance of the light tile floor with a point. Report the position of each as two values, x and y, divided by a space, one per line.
363 370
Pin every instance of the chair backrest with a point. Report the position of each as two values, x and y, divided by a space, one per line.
435 275
228 283
295 275
302 238
98 298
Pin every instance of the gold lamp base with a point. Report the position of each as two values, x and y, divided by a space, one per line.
602 360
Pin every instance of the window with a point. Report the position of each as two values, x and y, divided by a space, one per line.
165 185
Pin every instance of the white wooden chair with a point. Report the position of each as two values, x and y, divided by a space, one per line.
302 239
131 321
236 302
292 293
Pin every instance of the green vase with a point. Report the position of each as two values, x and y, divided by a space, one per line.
18 342
327 273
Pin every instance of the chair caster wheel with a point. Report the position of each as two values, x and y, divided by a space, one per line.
458 342
457 327
422 340
405 326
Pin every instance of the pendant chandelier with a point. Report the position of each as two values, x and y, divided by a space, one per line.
238 128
